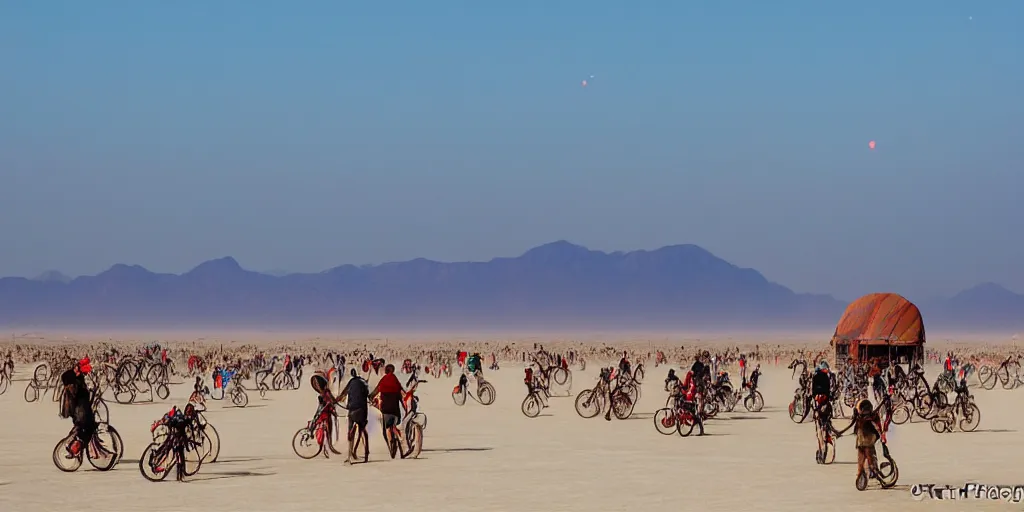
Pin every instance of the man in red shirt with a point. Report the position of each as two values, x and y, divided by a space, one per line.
391 392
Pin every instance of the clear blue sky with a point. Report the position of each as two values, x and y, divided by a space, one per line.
302 135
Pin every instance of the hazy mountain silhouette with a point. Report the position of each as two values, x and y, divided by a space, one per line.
985 306
554 285
53 276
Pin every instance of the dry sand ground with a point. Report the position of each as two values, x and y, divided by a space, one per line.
494 458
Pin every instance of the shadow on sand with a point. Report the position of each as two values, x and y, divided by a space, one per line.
995 430
641 416
456 450
236 459
746 418
226 474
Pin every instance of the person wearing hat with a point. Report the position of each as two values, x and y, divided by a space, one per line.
77 404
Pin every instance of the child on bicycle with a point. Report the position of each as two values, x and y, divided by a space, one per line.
532 386
867 426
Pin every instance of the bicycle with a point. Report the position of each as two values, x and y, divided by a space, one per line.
1007 374
40 382
6 375
592 402
887 473
484 391
680 418
104 450
177 450
535 400
393 436
308 442
963 407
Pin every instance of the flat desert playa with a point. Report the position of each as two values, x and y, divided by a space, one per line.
478 458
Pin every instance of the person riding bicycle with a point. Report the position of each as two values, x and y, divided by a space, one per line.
624 366
357 393
533 386
391 392
198 396
474 366
868 428
752 383
262 373
821 391
177 422
77 404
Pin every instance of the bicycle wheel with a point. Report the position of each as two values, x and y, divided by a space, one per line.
559 375
938 425
587 405
105 447
711 408
211 443
102 412
193 457
987 377
156 462
459 396
561 381
4 383
304 444
162 391
754 402
531 406
124 394
486 393
118 443
414 438
901 414
62 457
888 473
665 421
862 481
622 405
796 410
971 418
685 421
420 419
830 452
263 390
41 373
31 392
240 398
278 381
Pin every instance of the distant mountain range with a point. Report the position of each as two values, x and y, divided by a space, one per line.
559 284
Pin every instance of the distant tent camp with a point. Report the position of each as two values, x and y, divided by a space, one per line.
880 325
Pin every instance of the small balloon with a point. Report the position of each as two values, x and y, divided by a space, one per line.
871 145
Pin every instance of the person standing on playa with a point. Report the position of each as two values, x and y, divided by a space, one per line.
357 391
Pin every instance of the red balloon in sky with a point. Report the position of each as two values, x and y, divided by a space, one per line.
871 145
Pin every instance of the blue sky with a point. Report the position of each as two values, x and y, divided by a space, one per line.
302 135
